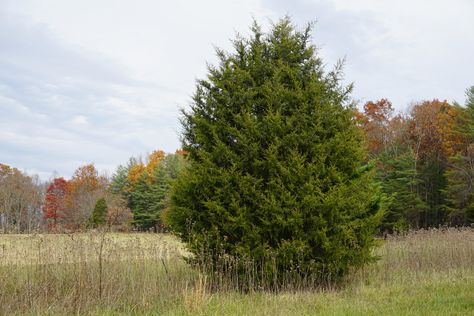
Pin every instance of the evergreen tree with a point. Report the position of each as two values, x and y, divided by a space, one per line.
119 180
139 203
120 183
99 214
399 180
460 172
466 124
459 192
276 163
148 200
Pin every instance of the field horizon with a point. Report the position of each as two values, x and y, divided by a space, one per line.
426 272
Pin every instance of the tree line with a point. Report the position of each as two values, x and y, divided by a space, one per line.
286 177
280 178
132 198
424 160
423 157
20 200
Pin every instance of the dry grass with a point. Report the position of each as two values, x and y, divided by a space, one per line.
71 274
414 255
423 272
197 296
72 248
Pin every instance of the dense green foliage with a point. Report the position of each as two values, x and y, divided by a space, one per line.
276 170
149 199
424 161
119 181
147 196
399 180
460 172
99 214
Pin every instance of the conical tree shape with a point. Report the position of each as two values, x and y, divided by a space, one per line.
276 169
99 214
149 198
459 194
399 179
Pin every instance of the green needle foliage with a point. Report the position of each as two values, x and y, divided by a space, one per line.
459 193
399 180
149 199
276 171
99 214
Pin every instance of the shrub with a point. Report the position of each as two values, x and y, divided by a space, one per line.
99 214
276 174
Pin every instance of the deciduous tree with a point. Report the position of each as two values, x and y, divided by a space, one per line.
56 203
375 124
20 200
85 188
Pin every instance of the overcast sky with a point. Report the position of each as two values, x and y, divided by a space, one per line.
98 81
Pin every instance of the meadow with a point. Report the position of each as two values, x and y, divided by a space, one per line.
426 272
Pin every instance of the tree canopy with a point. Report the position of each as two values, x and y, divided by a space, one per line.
277 172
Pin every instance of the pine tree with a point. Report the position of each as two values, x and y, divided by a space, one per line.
459 193
139 203
399 181
99 214
276 163
148 200
119 181
466 124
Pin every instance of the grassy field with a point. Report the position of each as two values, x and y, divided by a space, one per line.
422 273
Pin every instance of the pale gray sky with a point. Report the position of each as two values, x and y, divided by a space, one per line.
100 81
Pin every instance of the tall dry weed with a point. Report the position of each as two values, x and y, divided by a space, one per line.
80 273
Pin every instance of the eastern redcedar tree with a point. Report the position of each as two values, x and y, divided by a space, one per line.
99 213
276 172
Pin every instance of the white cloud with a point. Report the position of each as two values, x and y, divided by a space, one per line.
79 120
99 81
102 84
403 50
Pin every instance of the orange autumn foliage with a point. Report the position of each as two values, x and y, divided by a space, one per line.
55 202
153 160
181 152
432 129
140 169
86 177
375 123
134 174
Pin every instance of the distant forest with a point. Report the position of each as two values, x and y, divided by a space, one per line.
423 159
